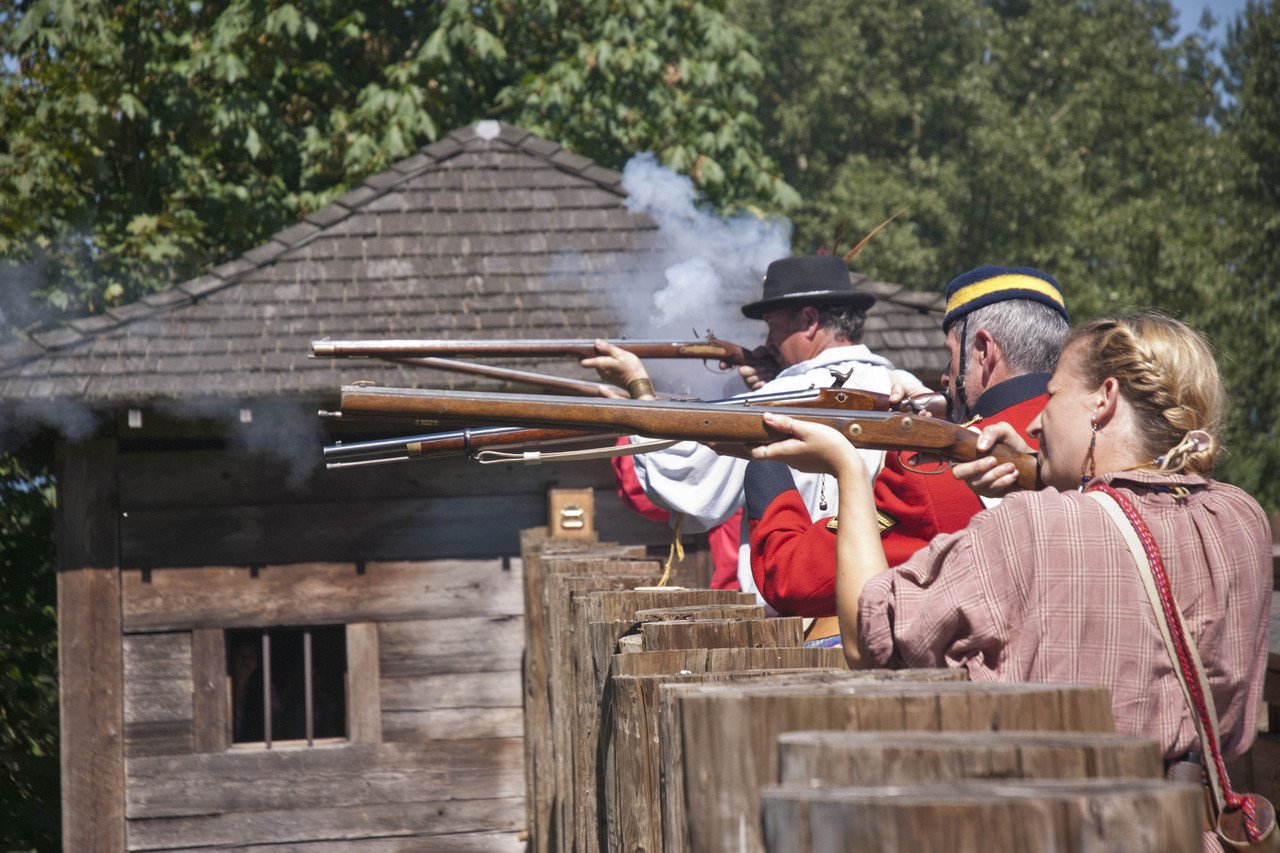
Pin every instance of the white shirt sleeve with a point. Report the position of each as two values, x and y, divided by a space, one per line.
691 479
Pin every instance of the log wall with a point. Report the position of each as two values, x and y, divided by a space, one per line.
435 754
417 560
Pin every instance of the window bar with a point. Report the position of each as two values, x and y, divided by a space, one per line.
306 675
266 688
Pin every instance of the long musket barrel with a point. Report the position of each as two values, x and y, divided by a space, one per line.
934 404
681 420
430 445
710 348
462 442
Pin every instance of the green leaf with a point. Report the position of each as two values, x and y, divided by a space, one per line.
253 142
131 106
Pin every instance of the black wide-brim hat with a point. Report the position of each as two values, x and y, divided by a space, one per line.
818 280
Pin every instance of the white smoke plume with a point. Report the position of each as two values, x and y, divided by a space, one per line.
289 435
697 277
20 423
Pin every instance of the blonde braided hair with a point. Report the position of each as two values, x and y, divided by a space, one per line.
1167 373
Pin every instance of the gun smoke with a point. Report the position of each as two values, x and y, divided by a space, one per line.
701 269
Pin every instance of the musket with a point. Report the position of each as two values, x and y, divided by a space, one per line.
462 442
708 349
472 440
739 424
542 380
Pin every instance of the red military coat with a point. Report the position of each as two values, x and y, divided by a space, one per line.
793 557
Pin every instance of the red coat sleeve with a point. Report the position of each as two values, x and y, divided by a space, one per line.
913 508
793 558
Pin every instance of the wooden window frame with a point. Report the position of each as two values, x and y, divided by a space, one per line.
211 692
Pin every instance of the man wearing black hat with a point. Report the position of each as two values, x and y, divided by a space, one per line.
1004 330
815 318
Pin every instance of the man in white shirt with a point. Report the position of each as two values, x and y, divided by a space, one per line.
815 318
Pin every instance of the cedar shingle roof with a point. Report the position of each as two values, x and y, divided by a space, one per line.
467 238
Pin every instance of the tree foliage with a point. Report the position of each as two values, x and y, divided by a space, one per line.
29 816
1247 322
146 140
1083 138
595 77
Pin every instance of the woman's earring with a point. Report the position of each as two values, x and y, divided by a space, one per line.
1087 467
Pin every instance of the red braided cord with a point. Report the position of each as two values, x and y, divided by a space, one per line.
1233 800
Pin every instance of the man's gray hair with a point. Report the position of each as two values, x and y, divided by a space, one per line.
1029 333
845 323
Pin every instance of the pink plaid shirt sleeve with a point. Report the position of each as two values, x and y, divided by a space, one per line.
1043 588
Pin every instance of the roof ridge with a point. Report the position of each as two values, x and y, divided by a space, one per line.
553 153
83 329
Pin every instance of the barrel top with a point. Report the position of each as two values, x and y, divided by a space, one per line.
692 611
865 682
945 740
978 790
784 675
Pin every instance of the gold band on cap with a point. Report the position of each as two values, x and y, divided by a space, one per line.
1012 281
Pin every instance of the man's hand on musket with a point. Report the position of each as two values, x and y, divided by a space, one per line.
621 368
987 475
902 390
760 366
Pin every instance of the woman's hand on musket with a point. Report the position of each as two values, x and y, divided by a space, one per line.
987 475
622 368
811 447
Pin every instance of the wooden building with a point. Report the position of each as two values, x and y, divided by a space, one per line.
212 574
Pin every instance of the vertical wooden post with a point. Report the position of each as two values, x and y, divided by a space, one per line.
90 647
364 683
211 694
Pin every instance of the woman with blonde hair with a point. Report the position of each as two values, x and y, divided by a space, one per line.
1044 587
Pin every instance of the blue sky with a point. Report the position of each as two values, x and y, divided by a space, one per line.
1224 10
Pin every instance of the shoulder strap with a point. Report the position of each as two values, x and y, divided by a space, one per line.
1116 513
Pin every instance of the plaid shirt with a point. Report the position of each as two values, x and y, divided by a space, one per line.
1043 588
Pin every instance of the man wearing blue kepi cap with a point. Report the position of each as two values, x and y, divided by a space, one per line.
1004 328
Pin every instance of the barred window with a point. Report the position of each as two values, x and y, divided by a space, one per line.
288 685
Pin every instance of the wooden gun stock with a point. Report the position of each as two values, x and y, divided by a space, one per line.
737 423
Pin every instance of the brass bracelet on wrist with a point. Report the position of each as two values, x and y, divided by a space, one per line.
638 388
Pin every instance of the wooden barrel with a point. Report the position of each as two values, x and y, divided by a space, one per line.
675 661
595 621
832 758
553 571
694 612
1026 815
631 792
780 632
719 743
